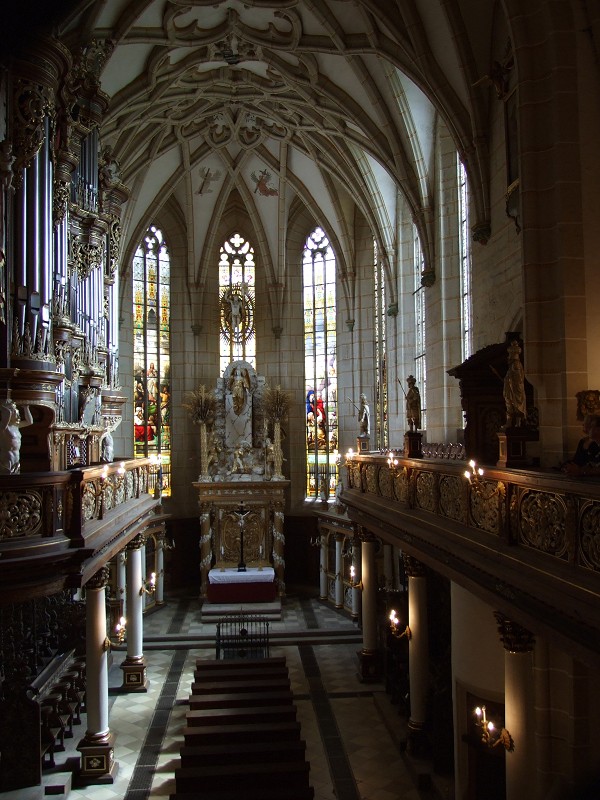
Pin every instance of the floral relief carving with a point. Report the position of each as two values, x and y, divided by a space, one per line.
20 514
371 478
590 535
385 483
453 503
485 505
426 491
542 520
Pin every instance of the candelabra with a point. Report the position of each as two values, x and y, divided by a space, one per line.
396 627
353 583
490 735
148 587
121 630
474 473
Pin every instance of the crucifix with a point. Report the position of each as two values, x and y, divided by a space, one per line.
241 520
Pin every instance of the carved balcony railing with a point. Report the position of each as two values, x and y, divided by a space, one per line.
526 538
51 521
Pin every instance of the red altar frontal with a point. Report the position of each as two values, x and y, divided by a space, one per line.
256 585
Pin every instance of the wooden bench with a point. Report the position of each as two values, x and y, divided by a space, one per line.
250 793
240 776
242 732
269 682
241 699
243 752
237 716
239 664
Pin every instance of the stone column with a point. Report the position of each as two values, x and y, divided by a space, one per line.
97 746
339 571
418 654
388 567
356 563
369 656
122 582
205 548
278 547
134 666
323 567
519 712
159 596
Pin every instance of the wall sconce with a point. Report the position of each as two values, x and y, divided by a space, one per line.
396 628
148 587
121 630
349 456
315 541
354 584
490 735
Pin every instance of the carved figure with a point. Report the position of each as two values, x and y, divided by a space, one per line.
413 404
108 449
10 436
514 387
364 416
239 384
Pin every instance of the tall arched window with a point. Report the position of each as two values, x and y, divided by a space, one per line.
320 366
151 352
381 417
236 298
465 261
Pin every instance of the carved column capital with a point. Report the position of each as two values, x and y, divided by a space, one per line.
100 579
513 636
137 542
413 567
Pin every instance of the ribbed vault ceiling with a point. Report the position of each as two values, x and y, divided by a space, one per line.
332 104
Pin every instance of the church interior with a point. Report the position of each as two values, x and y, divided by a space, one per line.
299 400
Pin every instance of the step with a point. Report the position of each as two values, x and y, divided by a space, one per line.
242 732
243 752
241 699
238 776
236 716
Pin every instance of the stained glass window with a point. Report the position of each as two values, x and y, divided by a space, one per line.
236 301
320 366
151 353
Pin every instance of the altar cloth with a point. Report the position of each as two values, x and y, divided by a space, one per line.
230 586
251 575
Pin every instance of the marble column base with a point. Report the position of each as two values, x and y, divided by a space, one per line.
98 763
370 666
417 742
134 675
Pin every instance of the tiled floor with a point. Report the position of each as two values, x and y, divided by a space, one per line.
354 734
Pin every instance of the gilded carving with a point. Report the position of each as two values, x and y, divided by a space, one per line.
20 514
484 504
385 483
590 535
371 478
99 580
542 523
453 501
426 491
